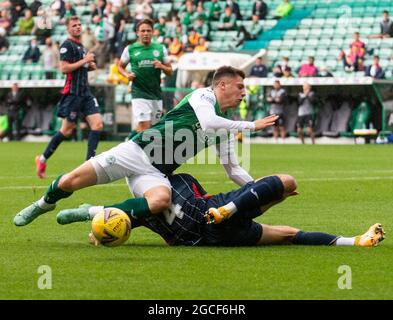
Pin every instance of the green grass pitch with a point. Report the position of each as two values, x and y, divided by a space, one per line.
343 190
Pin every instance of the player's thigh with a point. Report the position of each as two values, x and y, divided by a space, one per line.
90 107
149 185
124 160
79 178
142 110
69 107
234 232
95 121
157 107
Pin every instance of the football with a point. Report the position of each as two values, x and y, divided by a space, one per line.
111 227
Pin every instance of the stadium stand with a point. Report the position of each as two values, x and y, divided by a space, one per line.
313 28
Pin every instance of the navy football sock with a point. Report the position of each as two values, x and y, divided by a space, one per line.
252 198
314 238
92 143
53 144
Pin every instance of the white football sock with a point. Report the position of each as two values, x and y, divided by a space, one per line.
230 207
44 205
94 210
342 241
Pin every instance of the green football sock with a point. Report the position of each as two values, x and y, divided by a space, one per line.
136 208
132 134
54 193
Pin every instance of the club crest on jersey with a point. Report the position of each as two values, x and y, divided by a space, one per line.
110 160
156 53
63 50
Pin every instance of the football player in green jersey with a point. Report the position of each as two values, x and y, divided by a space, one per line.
147 61
194 124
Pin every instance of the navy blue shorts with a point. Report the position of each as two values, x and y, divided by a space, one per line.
71 106
240 230
305 121
280 121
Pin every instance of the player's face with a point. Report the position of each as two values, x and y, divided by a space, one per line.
75 28
235 90
144 33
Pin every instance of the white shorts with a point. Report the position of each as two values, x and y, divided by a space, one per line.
128 160
146 110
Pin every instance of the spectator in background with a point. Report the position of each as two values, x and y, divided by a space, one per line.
26 24
16 103
34 6
58 6
278 69
386 27
227 20
175 49
104 33
308 69
89 40
17 8
119 26
186 16
4 43
283 10
161 25
202 28
324 72
306 111
143 10
68 11
287 72
192 40
354 60
250 33
33 53
277 99
259 70
115 77
375 70
200 13
42 26
260 9
235 8
202 46
50 56
5 20
215 10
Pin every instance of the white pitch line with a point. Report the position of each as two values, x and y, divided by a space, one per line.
117 185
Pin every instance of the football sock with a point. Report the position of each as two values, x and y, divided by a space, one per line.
342 241
92 143
94 210
314 238
42 158
54 193
249 199
136 208
53 144
132 134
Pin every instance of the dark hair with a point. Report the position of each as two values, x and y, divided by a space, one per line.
385 11
145 21
71 18
376 57
226 71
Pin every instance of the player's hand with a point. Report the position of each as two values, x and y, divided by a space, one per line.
131 76
92 66
90 57
265 122
157 64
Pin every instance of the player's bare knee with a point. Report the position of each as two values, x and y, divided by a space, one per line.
98 126
159 202
67 182
288 182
